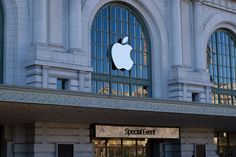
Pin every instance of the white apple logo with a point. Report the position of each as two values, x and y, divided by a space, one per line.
121 55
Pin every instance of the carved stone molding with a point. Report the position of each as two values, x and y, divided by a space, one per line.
229 5
78 99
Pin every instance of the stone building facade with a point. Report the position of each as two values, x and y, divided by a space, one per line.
51 99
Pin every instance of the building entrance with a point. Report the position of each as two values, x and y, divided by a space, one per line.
128 148
130 141
120 148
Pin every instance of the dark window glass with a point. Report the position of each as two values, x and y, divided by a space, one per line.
112 23
226 143
62 84
200 150
195 97
65 150
221 60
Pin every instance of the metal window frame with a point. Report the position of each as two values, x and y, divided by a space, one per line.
123 79
221 91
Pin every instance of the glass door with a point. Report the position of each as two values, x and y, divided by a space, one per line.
120 148
100 148
114 148
129 148
141 148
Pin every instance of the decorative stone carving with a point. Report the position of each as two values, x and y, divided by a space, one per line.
229 5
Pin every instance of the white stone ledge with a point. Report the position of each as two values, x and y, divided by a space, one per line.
82 99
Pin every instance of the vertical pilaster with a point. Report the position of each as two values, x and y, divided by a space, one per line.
56 17
81 80
198 48
39 21
176 34
44 77
75 25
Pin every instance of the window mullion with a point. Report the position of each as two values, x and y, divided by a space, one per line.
217 65
230 64
109 48
113 30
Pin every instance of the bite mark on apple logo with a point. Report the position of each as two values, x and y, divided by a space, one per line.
120 53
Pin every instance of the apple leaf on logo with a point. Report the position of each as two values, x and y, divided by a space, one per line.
125 40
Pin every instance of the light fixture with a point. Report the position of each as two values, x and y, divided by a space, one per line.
224 134
215 140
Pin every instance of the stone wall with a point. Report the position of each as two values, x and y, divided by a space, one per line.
41 139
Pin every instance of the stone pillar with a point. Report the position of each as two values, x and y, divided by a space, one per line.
75 25
198 48
39 10
45 77
81 80
56 16
176 34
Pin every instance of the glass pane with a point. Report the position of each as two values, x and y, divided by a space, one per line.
232 144
105 38
221 64
114 148
145 91
106 88
113 26
112 23
141 152
120 89
94 86
126 90
223 144
99 22
129 148
106 67
100 148
141 147
140 91
99 87
114 89
134 90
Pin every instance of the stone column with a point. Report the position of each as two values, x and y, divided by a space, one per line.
39 10
45 76
75 25
56 16
176 34
198 48
82 80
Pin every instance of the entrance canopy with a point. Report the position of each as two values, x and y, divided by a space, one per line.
26 105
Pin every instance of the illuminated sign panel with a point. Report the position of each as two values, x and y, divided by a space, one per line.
121 55
104 131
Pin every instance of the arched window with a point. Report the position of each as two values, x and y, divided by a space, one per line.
221 54
1 43
111 24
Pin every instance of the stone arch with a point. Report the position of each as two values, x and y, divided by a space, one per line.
216 21
10 42
157 32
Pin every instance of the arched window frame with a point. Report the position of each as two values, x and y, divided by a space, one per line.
221 59
109 79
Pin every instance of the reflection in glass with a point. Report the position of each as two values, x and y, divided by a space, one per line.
221 65
120 147
114 148
100 149
226 144
110 24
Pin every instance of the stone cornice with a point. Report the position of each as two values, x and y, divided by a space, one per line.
88 100
229 5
